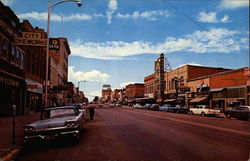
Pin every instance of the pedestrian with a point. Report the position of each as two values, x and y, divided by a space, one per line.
91 108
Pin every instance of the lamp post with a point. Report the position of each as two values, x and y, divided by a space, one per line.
79 4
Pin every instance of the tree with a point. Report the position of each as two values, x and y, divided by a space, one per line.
96 99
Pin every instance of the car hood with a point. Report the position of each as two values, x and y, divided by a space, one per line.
50 123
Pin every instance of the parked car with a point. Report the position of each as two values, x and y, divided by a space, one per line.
154 107
111 105
165 108
79 106
203 110
137 105
56 122
241 113
147 106
82 108
178 109
117 105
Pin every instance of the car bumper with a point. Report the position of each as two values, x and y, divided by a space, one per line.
50 134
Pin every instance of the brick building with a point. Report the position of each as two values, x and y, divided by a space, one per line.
58 75
221 90
12 76
176 87
35 61
116 95
149 86
134 91
106 93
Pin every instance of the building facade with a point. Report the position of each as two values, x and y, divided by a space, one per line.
134 91
58 75
106 93
35 61
12 76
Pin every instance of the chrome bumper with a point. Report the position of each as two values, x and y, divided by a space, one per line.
50 137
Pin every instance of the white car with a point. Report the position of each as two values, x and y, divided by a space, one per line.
137 106
203 110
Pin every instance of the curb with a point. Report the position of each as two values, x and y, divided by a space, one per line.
12 153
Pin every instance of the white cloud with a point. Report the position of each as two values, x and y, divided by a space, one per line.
211 18
233 4
208 17
112 7
218 40
225 19
149 15
93 76
56 17
7 2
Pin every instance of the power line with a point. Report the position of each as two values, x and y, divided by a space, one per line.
193 21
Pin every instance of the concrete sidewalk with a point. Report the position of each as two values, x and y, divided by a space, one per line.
8 150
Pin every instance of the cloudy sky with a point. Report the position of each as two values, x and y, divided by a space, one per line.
116 41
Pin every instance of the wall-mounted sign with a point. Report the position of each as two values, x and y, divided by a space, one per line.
8 81
31 42
31 35
35 39
54 44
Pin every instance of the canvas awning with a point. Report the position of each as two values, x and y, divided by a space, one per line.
199 99
169 100
216 89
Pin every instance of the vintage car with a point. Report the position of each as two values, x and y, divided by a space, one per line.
241 113
178 109
56 122
204 110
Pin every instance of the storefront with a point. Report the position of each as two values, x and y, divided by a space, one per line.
12 92
229 97
33 96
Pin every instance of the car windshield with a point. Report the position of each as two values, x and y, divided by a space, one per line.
59 113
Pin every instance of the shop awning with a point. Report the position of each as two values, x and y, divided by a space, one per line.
199 99
216 89
169 100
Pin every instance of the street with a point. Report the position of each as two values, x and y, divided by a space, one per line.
131 134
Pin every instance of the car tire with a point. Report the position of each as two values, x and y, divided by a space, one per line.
202 114
191 113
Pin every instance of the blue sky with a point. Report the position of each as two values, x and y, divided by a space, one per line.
116 41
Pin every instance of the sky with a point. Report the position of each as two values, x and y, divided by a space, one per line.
117 41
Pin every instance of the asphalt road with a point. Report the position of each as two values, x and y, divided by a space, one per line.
130 134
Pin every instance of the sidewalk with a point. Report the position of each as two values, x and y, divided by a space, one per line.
7 149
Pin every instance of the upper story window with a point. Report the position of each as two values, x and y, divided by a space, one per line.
182 81
5 47
13 54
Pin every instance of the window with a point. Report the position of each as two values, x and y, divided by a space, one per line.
1 41
5 48
182 81
21 60
13 53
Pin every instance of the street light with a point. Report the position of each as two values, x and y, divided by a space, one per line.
79 4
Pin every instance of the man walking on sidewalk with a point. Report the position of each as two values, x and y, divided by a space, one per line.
91 108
